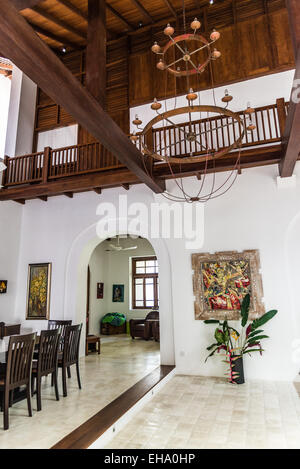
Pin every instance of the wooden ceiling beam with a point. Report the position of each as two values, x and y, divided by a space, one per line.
143 10
291 140
73 9
294 22
20 44
58 22
120 17
168 19
171 8
23 4
61 40
78 12
96 50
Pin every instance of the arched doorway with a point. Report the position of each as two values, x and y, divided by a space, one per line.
75 285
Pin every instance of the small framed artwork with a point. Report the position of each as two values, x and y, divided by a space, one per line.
222 280
38 291
100 288
3 286
118 293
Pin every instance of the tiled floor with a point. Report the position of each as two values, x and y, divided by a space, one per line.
104 377
198 412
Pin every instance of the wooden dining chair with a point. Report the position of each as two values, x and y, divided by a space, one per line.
61 325
46 363
18 371
70 354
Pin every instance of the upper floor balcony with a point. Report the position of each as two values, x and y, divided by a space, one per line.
91 167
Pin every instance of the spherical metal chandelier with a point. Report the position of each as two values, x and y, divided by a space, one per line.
192 140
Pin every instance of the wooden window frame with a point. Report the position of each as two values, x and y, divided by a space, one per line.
134 260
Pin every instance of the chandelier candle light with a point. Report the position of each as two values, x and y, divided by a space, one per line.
201 144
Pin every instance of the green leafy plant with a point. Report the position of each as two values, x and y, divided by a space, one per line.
233 343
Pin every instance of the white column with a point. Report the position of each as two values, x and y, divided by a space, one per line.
21 114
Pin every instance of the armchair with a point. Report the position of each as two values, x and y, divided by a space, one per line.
143 327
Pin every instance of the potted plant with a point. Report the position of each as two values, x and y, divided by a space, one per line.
235 344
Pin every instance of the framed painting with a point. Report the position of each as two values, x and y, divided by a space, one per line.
3 286
100 288
221 281
38 291
118 294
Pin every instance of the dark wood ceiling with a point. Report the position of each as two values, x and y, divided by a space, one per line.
64 22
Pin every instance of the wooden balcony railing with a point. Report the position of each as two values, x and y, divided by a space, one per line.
58 163
219 132
216 131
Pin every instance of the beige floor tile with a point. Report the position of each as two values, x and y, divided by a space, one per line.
255 415
104 377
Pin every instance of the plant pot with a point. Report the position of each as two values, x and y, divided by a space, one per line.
238 367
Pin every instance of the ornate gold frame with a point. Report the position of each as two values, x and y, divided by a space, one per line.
202 310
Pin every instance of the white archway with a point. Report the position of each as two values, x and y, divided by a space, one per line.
292 260
75 291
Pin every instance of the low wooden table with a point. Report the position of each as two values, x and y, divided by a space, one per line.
93 339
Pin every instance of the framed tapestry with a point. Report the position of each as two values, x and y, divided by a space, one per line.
100 288
118 294
221 281
3 286
38 291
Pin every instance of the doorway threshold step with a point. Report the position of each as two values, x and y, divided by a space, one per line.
87 433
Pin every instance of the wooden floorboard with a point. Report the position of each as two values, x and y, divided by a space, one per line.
83 436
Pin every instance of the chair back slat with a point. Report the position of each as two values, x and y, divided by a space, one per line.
71 345
48 350
61 325
19 360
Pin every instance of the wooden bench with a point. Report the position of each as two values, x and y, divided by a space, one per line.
93 339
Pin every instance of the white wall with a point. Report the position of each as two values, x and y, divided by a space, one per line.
254 214
258 91
21 114
58 138
114 268
99 273
10 232
5 85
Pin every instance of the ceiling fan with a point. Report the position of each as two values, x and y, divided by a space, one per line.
117 247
